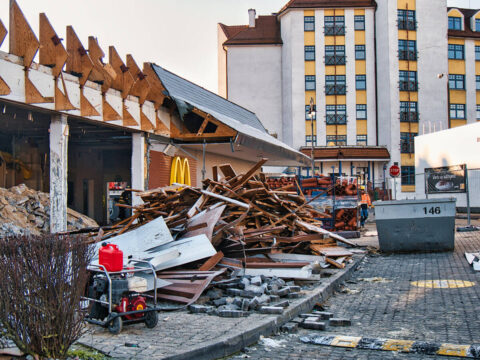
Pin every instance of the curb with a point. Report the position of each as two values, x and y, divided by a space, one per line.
272 324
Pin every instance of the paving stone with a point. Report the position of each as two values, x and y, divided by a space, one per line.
235 292
282 292
294 289
199 309
324 315
274 298
298 320
256 280
289 327
294 295
339 322
271 310
232 313
219 302
283 304
314 325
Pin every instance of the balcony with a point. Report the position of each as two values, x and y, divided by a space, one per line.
408 116
407 24
407 55
335 89
334 30
336 119
335 60
408 85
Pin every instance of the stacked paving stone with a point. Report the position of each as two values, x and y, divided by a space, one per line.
316 320
24 211
240 296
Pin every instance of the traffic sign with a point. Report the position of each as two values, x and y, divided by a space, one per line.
394 171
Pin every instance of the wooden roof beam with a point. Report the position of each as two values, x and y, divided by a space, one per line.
52 52
141 86
78 62
101 72
23 41
124 79
3 32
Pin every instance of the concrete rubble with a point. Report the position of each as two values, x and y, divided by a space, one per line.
24 211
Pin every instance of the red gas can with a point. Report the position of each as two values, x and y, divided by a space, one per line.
111 257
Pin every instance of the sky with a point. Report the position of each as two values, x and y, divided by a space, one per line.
179 35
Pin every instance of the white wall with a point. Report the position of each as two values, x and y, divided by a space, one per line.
460 145
255 82
370 64
222 62
470 81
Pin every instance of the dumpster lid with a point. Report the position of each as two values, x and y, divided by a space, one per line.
416 201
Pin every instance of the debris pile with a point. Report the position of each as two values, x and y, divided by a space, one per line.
24 211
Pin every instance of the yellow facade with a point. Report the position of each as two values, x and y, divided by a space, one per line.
361 127
334 12
334 40
361 97
409 127
455 13
330 100
308 95
407 35
456 66
478 97
457 122
407 159
309 38
335 70
406 4
336 129
309 13
309 67
360 67
458 97
308 127
360 37
407 65
408 188
411 96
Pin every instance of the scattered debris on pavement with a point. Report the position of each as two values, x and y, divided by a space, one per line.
474 260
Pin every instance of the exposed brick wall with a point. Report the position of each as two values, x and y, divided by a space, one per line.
159 169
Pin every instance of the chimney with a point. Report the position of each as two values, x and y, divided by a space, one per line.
251 17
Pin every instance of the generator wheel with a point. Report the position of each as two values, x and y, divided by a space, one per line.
115 326
151 319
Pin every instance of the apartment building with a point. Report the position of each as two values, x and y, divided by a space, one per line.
378 73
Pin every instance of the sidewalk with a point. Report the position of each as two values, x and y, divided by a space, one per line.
383 300
181 335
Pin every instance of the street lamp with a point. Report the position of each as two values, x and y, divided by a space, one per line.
311 114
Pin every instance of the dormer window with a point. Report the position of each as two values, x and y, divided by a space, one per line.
454 23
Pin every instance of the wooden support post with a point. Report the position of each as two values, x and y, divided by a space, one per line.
58 173
138 166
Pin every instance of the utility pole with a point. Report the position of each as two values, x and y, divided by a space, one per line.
311 114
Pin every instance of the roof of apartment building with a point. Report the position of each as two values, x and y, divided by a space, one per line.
266 32
468 31
348 152
303 4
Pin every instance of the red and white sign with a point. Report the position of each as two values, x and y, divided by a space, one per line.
394 171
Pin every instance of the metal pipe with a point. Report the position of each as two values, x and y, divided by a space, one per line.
204 170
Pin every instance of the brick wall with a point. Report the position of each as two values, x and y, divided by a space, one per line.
159 170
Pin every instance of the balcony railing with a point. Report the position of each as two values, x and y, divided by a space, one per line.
407 55
335 89
407 24
334 30
406 116
336 119
408 85
335 60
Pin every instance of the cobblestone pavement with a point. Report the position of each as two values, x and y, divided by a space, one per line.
392 307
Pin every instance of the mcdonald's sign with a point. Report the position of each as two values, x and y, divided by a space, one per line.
180 171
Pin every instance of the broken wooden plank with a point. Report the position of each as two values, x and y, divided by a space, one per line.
212 262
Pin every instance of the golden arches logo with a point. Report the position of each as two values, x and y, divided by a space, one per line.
180 171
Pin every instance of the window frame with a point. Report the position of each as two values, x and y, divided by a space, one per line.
363 141
360 49
477 53
359 109
310 79
407 142
457 109
409 111
335 55
406 19
336 87
336 114
307 110
478 113
309 20
407 49
337 139
408 83
407 175
334 25
456 23
359 22
309 49
308 140
360 79
456 49
477 82
457 80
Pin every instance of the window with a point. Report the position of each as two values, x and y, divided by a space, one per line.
455 51
335 85
407 49
361 112
310 82
359 22
456 82
478 112
477 53
362 140
408 111
408 80
335 55
359 52
407 143
477 81
360 82
336 114
334 25
454 23
308 140
307 112
408 175
309 23
406 20
457 111
309 53
477 25
336 140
